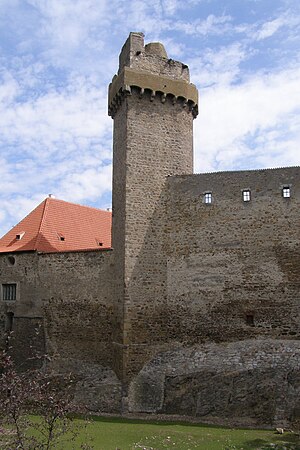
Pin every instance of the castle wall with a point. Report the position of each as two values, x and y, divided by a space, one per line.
232 311
79 309
64 307
24 316
69 295
233 266
77 298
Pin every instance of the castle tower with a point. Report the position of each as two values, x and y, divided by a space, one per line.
153 105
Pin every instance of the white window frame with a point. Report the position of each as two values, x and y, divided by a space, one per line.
246 195
286 192
207 198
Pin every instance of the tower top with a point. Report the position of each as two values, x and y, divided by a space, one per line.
149 68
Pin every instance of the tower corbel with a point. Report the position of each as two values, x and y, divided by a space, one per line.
152 95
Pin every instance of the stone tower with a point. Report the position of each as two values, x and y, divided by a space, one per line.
153 105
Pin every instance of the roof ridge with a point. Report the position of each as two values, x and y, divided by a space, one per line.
76 204
39 233
263 169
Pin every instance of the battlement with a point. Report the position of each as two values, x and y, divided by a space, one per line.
148 68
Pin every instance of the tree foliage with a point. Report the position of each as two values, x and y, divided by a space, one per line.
36 408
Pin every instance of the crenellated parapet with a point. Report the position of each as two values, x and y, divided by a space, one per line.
147 71
179 91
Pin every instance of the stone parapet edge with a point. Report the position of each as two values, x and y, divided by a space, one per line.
180 90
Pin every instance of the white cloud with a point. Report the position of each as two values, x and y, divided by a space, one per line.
242 121
56 119
288 20
90 183
211 25
220 66
172 6
9 88
59 142
269 28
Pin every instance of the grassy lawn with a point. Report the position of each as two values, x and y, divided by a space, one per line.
122 434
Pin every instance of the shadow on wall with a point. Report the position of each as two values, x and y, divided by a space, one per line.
97 387
252 381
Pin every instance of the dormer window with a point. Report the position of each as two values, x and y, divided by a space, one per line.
286 192
246 195
99 242
20 235
61 237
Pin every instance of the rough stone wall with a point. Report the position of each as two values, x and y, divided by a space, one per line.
251 382
232 262
26 313
77 298
152 139
70 296
134 54
232 312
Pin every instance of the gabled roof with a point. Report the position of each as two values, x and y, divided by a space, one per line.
59 226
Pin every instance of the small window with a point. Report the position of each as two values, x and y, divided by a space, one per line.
61 237
286 192
9 320
208 197
250 320
11 260
246 195
20 235
9 292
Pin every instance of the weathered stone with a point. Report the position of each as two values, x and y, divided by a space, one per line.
251 379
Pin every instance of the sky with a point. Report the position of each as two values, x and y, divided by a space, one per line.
57 58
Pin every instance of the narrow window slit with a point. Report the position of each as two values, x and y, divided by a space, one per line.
250 320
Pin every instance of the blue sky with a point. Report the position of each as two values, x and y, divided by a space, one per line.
58 56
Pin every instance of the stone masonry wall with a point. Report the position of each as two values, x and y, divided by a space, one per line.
231 319
233 266
152 139
169 150
251 382
69 297
77 297
25 315
152 153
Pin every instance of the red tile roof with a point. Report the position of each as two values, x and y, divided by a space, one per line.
59 226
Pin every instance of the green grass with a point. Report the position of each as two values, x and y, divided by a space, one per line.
112 434
123 434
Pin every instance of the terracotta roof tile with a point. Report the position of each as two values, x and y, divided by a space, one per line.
58 226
